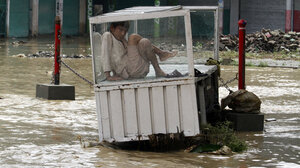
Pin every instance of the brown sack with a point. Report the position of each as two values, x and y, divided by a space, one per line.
242 101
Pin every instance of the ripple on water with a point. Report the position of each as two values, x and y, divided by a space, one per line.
63 155
21 108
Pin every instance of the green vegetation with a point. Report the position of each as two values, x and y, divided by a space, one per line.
221 134
250 64
234 62
262 64
198 45
206 148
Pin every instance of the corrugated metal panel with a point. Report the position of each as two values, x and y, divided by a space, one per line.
134 113
19 18
46 16
297 16
268 14
226 21
70 17
2 17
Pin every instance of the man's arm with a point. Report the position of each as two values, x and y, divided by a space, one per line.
106 47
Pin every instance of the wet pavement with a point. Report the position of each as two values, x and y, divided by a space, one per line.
42 133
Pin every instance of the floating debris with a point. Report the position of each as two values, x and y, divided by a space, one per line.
203 148
85 143
270 119
50 54
19 55
88 144
225 150
17 43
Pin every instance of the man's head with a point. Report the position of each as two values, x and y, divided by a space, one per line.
119 29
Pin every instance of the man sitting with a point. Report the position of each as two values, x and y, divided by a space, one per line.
129 59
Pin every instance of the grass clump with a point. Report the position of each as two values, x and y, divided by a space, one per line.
262 64
222 134
280 55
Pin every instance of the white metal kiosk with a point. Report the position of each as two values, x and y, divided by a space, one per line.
131 110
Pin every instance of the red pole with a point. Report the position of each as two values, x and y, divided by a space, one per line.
242 33
57 51
288 15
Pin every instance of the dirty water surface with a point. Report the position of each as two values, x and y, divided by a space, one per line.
42 133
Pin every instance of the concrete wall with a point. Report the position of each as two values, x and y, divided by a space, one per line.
268 14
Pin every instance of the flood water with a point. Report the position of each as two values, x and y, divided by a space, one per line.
42 133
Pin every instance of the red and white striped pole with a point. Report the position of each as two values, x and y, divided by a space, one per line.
57 50
288 15
242 33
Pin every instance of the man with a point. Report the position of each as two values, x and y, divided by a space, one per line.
129 59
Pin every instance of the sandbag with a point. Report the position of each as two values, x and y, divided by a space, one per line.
242 101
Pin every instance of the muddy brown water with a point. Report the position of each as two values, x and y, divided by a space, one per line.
42 133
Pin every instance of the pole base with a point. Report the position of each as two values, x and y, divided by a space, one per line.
246 121
55 92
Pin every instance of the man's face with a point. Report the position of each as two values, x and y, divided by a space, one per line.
119 32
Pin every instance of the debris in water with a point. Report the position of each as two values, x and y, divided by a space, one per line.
225 150
203 148
17 43
19 55
50 54
88 143
270 119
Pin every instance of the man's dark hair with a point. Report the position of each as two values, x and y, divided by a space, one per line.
123 24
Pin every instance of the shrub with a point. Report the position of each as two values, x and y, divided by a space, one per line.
222 134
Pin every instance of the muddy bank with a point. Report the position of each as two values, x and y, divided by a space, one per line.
264 63
50 54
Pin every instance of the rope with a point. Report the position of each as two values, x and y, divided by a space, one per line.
76 73
224 84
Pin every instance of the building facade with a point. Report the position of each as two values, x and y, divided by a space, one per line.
36 17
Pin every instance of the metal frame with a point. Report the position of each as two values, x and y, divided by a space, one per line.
118 16
139 13
216 30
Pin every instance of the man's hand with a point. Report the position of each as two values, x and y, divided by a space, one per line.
112 78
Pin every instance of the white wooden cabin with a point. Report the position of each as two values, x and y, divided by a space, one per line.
131 110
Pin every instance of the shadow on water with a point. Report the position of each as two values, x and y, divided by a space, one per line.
42 133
